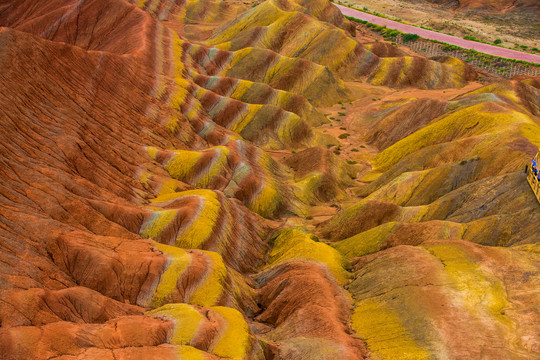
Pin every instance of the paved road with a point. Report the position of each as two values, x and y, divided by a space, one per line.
427 34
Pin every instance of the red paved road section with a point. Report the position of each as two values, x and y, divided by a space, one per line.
427 34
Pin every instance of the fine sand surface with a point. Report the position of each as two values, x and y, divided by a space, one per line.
427 34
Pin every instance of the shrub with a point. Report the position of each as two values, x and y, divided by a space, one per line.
356 20
342 128
497 41
341 114
410 37
344 136
351 162
390 33
449 47
354 150
472 38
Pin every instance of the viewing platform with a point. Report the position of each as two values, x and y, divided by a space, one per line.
533 179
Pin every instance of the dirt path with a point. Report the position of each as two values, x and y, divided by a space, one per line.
427 34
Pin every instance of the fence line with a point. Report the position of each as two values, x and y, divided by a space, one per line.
499 66
533 180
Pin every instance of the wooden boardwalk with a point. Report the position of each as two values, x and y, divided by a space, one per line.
533 180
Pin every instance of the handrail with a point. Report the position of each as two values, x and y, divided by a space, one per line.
533 180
